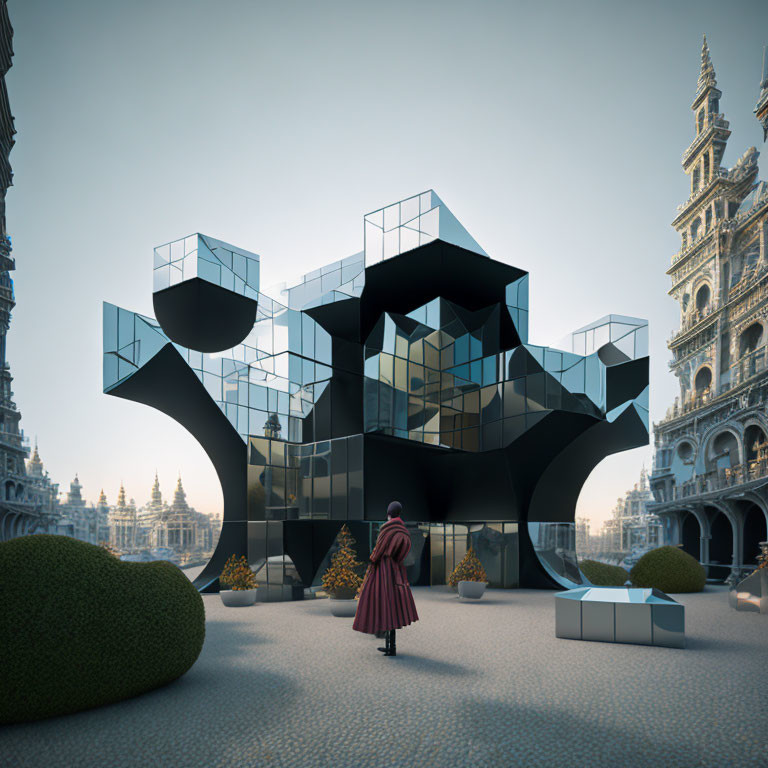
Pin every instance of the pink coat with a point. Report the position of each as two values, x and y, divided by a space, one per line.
385 600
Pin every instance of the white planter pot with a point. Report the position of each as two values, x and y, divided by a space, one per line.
238 598
472 589
343 607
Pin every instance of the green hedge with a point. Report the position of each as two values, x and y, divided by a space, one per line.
670 570
80 629
602 574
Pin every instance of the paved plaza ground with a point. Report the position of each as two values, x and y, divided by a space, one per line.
474 684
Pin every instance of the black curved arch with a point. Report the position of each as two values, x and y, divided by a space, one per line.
168 384
202 316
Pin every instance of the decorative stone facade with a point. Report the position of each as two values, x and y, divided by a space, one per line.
27 503
710 475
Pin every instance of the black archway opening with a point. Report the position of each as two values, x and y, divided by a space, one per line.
691 536
702 297
754 532
750 339
720 547
703 380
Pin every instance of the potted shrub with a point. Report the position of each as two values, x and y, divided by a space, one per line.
342 580
469 576
241 580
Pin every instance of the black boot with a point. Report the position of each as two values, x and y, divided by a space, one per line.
385 648
392 647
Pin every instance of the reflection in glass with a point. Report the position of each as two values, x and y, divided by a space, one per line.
555 546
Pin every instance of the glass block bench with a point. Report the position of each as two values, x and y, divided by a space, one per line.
620 615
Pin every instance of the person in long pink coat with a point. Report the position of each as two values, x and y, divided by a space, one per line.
386 602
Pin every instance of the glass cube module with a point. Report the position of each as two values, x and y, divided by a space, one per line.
410 223
627 334
209 259
622 615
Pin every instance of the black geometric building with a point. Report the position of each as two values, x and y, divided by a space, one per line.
402 372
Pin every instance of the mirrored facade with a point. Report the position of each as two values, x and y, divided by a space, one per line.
402 372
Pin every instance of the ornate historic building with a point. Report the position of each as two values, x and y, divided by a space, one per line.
177 528
146 531
122 523
40 484
632 529
82 520
710 476
25 505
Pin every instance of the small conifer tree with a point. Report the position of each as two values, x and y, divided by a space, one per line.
469 569
237 574
342 579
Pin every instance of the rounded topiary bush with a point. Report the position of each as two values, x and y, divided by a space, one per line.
669 569
602 574
80 628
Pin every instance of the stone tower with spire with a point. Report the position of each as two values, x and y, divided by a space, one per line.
77 520
150 516
43 491
122 524
23 509
710 475
181 523
102 517
761 108
178 527
156 497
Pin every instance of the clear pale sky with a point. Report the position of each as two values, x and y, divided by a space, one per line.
553 130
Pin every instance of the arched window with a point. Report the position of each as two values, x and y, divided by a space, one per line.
755 444
702 298
724 451
700 121
750 339
725 352
703 380
695 224
685 451
705 178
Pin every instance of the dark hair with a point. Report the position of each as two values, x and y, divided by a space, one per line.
394 509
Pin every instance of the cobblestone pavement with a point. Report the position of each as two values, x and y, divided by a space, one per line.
474 684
